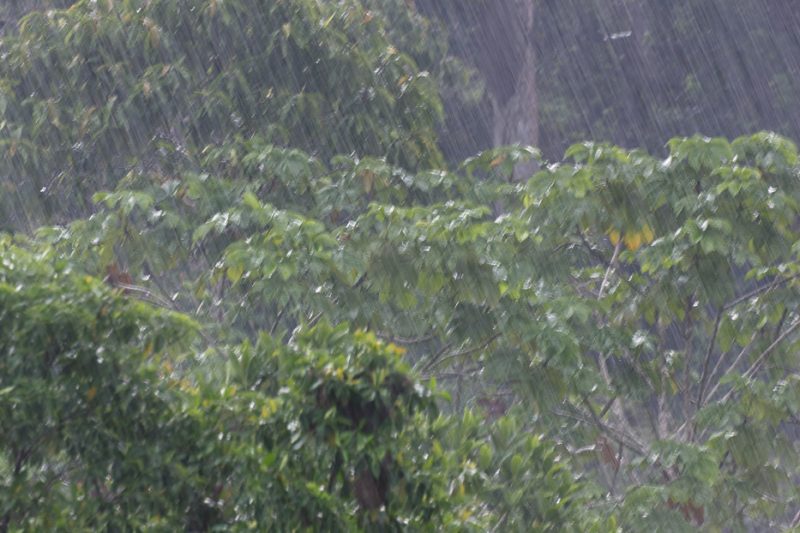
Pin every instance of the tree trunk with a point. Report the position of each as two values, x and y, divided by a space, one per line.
495 38
515 118
513 94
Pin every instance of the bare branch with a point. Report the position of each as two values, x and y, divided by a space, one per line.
742 353
795 521
278 317
607 406
436 357
619 436
611 266
437 361
762 357
757 291
707 360
405 340
616 470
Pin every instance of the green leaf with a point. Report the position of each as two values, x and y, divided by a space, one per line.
234 273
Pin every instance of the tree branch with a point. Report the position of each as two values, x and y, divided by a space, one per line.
405 340
462 353
278 317
742 353
436 357
762 357
757 291
607 406
707 360
619 436
611 266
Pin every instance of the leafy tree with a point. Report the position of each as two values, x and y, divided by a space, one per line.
618 314
641 308
112 423
142 85
678 277
150 425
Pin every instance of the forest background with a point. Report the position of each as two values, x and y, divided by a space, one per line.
295 264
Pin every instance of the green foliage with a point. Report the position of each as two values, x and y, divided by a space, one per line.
623 316
648 302
85 403
108 426
143 84
521 477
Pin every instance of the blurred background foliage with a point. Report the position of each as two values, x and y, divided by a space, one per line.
267 268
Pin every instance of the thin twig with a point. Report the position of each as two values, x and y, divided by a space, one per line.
756 292
601 359
404 340
756 366
611 266
707 360
589 408
314 319
688 334
616 470
795 521
456 375
762 357
607 406
278 318
742 353
619 436
462 353
147 295
446 346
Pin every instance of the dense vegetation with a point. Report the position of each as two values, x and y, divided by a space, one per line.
246 291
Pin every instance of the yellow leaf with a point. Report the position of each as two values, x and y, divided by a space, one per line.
613 235
91 393
647 231
633 241
367 180
497 161
235 273
395 349
153 35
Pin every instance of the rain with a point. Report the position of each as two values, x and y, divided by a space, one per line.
399 265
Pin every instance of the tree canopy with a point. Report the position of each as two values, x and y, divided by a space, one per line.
247 292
